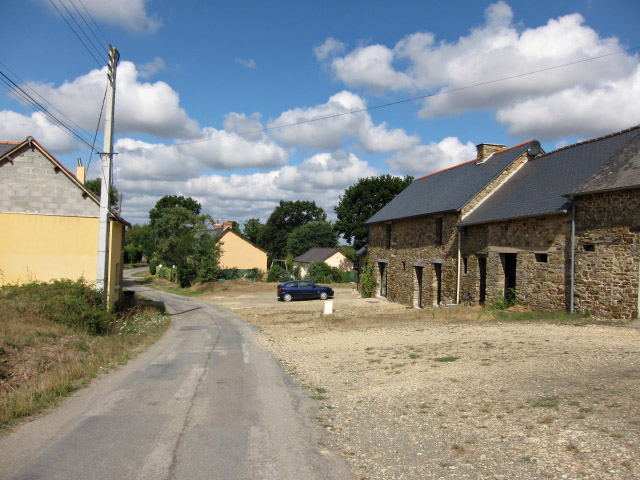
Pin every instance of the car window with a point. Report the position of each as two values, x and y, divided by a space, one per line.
306 284
292 285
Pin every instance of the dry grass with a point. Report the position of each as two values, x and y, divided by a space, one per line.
42 361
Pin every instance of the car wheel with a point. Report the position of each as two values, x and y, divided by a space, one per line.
287 297
323 295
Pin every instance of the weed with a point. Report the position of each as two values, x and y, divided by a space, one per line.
414 356
447 359
547 402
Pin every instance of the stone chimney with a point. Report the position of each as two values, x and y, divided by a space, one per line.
227 225
217 225
485 150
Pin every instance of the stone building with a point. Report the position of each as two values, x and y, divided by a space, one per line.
558 230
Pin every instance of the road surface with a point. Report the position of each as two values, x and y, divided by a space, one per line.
205 402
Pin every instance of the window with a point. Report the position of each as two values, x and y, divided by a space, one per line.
589 247
464 265
388 239
542 257
438 231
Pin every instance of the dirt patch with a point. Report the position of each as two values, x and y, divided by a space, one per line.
452 393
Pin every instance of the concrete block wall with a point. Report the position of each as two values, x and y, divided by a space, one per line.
30 184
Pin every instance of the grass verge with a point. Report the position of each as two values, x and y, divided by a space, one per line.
50 346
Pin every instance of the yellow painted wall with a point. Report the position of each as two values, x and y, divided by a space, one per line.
241 254
47 247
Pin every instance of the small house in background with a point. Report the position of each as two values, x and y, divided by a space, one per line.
49 221
236 250
331 256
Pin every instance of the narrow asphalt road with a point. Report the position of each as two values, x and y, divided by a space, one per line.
205 402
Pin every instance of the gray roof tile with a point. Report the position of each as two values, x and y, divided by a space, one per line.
450 189
541 185
316 254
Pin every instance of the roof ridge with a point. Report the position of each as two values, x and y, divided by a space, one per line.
10 143
592 140
474 160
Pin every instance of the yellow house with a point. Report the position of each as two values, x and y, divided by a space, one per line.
49 221
237 251
331 256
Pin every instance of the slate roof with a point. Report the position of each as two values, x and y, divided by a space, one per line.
6 147
541 185
315 254
621 172
450 189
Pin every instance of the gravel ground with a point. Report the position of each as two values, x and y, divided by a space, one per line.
407 394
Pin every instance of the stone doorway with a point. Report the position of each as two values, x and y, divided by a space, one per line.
382 267
482 266
509 264
437 283
417 287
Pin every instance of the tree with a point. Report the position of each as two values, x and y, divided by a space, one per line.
95 187
173 201
361 201
252 229
141 236
283 220
312 234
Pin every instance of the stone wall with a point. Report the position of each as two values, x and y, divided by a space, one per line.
413 249
542 262
607 246
30 183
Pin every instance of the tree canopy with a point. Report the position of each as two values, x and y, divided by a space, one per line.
361 201
251 230
172 201
312 234
95 187
286 217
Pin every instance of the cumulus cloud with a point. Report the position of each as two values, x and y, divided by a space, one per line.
249 62
130 14
141 107
330 125
330 47
498 49
425 159
15 127
151 68
322 178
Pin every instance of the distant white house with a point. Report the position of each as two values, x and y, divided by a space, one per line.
331 256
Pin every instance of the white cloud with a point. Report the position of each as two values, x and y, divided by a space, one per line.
249 62
130 14
499 50
142 107
425 159
151 68
322 178
586 112
15 127
329 126
330 47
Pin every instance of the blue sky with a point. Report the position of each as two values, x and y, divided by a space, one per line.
194 74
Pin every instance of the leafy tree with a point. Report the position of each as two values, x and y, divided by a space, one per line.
169 230
286 217
367 279
252 229
170 202
361 201
312 234
142 237
95 187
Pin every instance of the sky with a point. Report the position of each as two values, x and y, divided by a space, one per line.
242 104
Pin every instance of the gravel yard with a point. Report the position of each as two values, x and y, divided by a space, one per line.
452 393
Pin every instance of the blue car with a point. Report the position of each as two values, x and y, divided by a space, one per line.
302 289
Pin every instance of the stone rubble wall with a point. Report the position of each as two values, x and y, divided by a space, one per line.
607 252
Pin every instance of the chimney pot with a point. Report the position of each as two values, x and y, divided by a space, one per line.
485 150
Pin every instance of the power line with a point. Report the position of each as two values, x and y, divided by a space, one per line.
389 104
86 23
76 33
94 23
97 127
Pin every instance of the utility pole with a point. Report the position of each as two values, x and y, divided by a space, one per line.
102 270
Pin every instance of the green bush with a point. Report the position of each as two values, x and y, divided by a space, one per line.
132 254
275 273
502 302
72 303
153 265
167 273
367 279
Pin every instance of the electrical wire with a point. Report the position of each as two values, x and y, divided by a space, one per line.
97 49
389 104
75 33
94 23
97 127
